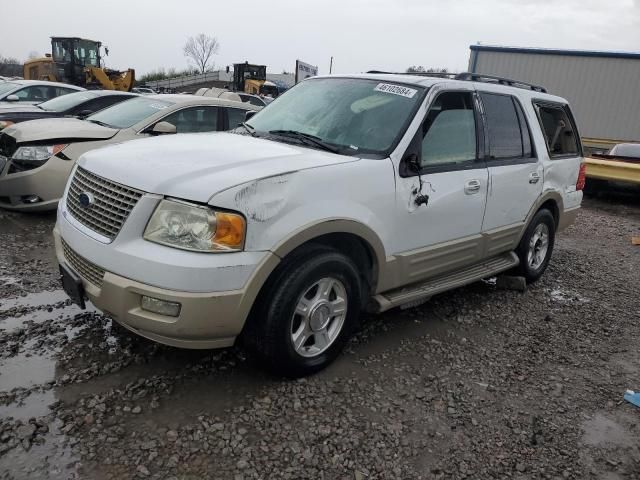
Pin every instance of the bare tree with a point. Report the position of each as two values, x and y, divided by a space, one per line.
200 50
421 69
10 66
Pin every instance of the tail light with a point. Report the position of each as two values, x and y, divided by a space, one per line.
582 177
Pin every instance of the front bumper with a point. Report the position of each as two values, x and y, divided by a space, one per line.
46 182
206 320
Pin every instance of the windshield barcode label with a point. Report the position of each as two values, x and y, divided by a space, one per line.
396 90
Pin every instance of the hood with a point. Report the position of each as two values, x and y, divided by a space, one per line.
4 109
58 128
197 166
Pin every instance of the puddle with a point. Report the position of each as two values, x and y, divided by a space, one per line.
9 324
35 405
26 369
209 395
602 431
33 300
50 460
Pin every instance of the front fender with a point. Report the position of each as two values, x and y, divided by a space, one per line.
288 210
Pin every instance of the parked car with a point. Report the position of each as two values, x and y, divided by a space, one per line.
363 191
617 169
144 90
77 104
33 91
629 150
36 157
255 99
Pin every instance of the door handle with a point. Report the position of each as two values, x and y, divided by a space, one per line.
472 186
534 177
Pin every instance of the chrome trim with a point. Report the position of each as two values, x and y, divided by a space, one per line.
87 270
112 205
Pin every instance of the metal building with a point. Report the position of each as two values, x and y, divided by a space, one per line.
603 88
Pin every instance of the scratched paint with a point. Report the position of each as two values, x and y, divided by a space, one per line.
264 199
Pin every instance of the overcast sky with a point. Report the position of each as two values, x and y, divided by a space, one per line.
359 34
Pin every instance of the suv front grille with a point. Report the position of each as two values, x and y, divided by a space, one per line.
111 206
87 270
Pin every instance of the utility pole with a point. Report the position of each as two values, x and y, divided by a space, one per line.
331 66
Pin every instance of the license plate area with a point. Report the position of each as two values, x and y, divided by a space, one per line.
72 286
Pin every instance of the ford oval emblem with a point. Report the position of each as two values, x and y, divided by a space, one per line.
86 199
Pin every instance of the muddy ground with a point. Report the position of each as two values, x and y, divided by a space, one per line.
477 383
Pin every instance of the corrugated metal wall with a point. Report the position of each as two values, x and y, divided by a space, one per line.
604 93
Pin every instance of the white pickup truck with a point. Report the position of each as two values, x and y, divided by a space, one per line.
348 192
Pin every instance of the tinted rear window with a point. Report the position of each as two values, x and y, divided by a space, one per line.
505 137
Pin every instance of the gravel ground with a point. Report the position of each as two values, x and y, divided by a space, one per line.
477 383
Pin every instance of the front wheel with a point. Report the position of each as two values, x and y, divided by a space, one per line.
309 312
536 246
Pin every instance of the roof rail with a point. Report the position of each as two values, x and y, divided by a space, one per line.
419 74
471 77
481 77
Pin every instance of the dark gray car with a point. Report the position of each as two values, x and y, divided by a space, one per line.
78 104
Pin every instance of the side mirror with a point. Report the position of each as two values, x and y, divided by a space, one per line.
249 114
85 113
13 98
164 128
412 163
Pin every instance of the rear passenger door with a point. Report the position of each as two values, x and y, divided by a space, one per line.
195 119
515 172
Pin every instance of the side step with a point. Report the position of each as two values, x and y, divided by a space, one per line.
420 292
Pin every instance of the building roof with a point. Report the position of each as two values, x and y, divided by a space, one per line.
555 51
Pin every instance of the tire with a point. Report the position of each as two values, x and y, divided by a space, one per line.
536 246
294 309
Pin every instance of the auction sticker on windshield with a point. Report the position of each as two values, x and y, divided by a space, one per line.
396 90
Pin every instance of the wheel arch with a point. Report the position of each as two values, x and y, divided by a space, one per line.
349 237
352 238
551 201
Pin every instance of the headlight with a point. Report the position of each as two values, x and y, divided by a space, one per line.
5 124
37 153
195 227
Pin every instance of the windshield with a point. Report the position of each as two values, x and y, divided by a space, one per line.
6 87
65 102
127 114
626 150
356 115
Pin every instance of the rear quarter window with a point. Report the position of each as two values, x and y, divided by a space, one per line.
558 129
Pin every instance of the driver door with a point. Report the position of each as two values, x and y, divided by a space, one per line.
441 195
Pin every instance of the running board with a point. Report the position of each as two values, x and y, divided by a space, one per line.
421 292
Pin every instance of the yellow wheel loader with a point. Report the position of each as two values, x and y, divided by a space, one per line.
252 79
77 61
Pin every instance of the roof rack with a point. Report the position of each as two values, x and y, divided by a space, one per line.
472 77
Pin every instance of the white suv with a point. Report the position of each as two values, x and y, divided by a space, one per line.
348 192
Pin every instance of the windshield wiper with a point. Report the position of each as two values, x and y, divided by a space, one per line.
249 128
98 122
306 138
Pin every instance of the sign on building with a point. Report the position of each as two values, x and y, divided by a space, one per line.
304 70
